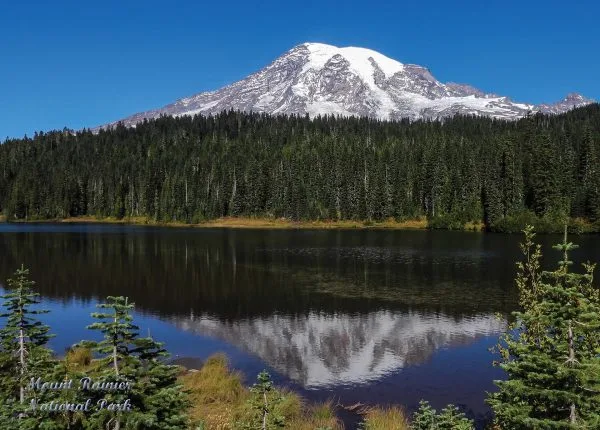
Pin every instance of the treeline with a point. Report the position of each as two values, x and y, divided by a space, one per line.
466 169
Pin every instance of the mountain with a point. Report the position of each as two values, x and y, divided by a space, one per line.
572 101
318 79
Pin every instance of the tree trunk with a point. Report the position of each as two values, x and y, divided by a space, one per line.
264 423
22 365
572 415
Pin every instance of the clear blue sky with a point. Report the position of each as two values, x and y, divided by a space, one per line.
84 63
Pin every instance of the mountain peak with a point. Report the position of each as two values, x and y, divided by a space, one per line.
320 79
359 58
571 101
577 98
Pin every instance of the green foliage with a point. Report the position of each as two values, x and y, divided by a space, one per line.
449 418
156 398
425 418
254 165
550 353
450 221
264 404
23 353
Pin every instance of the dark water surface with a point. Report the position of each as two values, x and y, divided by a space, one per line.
359 316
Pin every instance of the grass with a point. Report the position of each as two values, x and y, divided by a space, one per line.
420 223
510 224
247 222
215 393
79 357
318 416
219 401
388 418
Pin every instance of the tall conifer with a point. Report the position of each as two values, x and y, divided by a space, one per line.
551 353
23 352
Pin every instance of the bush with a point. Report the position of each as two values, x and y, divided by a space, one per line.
451 221
515 223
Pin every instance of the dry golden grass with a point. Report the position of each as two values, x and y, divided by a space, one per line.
283 223
79 356
216 393
275 223
321 224
321 415
389 418
106 220
219 400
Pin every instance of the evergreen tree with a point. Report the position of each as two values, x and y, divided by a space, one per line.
263 406
256 165
24 354
153 399
449 418
551 353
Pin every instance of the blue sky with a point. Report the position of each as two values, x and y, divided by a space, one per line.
80 64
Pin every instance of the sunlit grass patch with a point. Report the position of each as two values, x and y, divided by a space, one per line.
387 418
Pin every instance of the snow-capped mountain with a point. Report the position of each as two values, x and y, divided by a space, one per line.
572 101
320 349
318 79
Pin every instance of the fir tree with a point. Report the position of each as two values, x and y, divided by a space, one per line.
449 418
263 406
551 353
154 399
24 354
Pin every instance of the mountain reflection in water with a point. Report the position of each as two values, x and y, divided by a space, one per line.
319 350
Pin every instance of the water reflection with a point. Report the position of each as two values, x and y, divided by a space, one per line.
326 309
240 274
319 350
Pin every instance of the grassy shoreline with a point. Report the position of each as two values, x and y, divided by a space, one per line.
220 400
508 225
259 223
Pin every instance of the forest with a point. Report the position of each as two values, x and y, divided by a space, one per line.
538 170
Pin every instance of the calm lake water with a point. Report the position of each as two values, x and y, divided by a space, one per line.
358 316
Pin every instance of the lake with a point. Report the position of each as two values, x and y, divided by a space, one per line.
371 316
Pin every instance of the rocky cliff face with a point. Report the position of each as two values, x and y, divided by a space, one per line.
319 79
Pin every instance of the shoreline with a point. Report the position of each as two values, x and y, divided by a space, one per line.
248 223
576 225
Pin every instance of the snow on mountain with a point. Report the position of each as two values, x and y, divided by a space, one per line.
321 349
572 101
319 79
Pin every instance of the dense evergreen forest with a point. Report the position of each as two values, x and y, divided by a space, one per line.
463 169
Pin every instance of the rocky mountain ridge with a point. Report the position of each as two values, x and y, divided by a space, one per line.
319 79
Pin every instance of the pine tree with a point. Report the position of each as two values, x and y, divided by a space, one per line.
425 418
449 418
156 388
263 406
551 353
154 399
24 354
